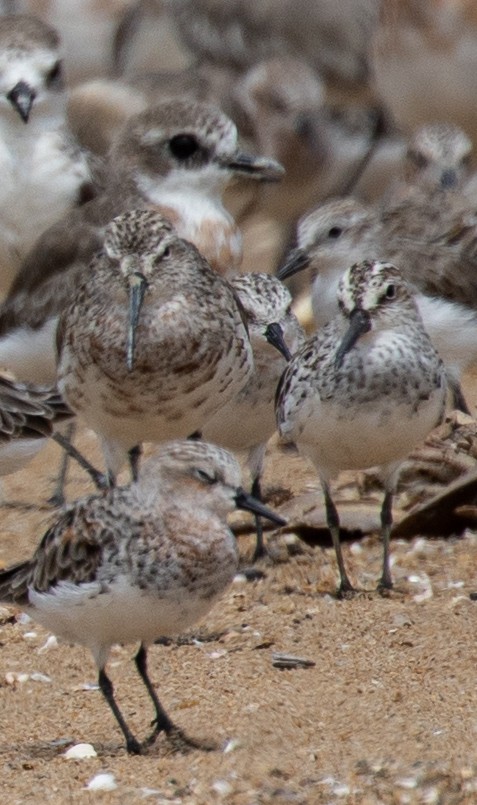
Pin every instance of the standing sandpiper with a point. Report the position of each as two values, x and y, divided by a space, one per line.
364 391
247 421
154 342
138 563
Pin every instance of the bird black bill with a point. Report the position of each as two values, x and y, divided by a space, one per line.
247 502
137 289
21 97
274 336
359 324
296 261
262 168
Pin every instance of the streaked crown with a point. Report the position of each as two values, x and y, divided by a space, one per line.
372 286
136 232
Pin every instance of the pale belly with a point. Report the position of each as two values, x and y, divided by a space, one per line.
373 435
146 408
124 613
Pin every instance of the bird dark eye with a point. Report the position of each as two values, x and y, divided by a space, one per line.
54 74
183 145
335 232
159 256
204 476
390 292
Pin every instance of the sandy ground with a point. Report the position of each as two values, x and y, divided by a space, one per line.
386 711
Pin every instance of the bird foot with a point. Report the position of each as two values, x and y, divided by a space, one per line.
180 742
57 500
252 573
346 592
385 587
133 746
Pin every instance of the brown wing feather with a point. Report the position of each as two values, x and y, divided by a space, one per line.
29 411
61 554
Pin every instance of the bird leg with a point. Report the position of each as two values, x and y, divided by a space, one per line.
386 582
135 454
97 477
58 496
106 686
260 549
333 522
162 722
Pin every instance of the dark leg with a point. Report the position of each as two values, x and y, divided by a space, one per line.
58 496
333 523
386 582
132 745
135 454
162 721
97 477
260 549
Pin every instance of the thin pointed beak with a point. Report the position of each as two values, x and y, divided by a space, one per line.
262 168
274 336
359 324
295 261
21 97
250 504
137 289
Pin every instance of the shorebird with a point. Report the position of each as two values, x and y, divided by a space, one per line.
343 231
137 563
44 172
154 341
247 421
364 391
175 158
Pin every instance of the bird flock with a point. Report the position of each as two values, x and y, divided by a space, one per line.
138 299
